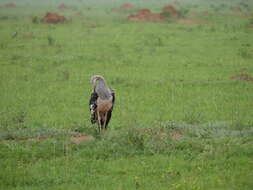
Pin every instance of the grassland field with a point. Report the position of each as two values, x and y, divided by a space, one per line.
183 117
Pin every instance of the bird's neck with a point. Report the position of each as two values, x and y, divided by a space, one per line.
102 90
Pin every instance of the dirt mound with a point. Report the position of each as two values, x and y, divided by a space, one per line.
145 15
171 11
53 18
10 5
82 138
244 77
189 21
62 7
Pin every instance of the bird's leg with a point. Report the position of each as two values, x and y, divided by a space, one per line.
105 120
99 121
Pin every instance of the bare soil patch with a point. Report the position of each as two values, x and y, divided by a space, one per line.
145 15
124 7
27 36
190 21
93 26
9 5
243 77
81 138
247 15
206 13
53 18
176 136
237 10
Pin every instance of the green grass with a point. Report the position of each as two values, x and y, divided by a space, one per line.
170 79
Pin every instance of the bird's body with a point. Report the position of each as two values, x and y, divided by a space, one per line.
104 105
101 102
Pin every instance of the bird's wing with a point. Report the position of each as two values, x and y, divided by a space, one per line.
93 107
113 95
113 98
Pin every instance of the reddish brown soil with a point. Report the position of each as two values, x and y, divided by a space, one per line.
62 7
53 18
93 26
27 36
124 8
243 77
247 15
189 21
145 15
176 136
80 139
10 5
205 13
237 10
171 9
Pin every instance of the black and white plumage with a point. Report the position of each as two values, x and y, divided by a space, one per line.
101 102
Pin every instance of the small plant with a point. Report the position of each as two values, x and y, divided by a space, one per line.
216 9
20 117
4 17
136 139
245 53
193 117
166 14
183 12
50 40
35 20
65 75
251 21
137 182
241 125
244 4
3 45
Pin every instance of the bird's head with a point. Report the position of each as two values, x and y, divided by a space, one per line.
94 79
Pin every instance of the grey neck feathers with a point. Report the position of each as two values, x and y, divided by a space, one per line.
102 90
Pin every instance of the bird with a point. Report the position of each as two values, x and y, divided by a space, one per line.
14 34
101 102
